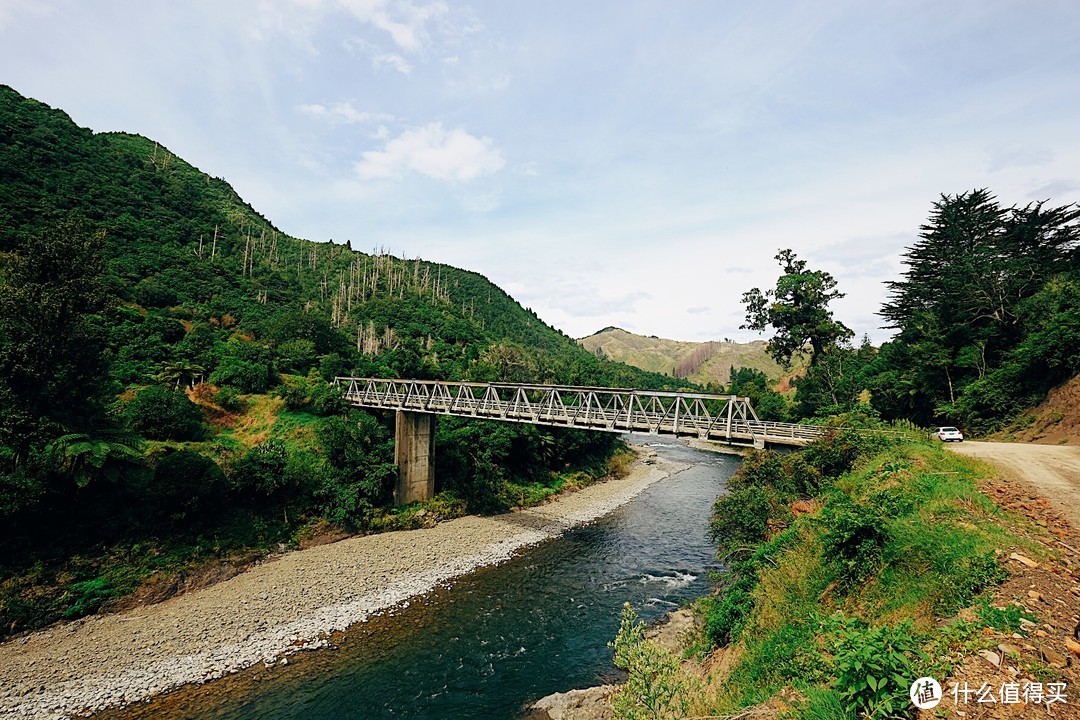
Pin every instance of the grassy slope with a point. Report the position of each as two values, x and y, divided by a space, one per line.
929 591
662 355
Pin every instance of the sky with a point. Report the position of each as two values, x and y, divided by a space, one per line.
632 163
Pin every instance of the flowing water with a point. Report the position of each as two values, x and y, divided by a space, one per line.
502 636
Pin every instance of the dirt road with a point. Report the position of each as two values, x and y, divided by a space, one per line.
1052 471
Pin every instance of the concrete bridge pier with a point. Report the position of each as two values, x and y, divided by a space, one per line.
414 454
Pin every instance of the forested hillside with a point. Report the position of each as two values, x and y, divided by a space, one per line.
986 314
165 353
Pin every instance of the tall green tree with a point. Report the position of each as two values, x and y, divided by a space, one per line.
836 383
798 310
52 364
754 384
959 308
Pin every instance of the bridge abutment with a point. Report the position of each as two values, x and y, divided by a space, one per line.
414 454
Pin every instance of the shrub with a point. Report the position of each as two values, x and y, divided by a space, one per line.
247 377
854 538
247 366
185 483
800 478
726 613
655 687
874 666
262 470
161 413
228 398
359 471
740 518
294 391
310 393
962 584
837 452
760 468
791 475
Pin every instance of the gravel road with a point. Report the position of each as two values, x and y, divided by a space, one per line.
1052 470
290 603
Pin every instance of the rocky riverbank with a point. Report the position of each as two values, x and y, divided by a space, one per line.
282 606
594 703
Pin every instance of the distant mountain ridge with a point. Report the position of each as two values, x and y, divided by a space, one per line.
699 362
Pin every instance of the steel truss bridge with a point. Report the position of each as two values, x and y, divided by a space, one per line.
722 418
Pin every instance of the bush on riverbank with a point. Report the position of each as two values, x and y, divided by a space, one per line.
270 479
657 686
841 606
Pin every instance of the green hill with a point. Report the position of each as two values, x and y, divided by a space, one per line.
182 245
165 353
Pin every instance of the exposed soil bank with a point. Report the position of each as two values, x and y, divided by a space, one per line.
288 604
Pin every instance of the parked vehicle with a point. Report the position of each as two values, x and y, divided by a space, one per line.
949 434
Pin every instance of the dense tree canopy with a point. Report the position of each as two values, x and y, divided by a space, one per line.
52 341
798 310
985 313
981 283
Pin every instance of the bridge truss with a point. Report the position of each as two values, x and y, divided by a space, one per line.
724 418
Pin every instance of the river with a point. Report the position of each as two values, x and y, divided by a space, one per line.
499 637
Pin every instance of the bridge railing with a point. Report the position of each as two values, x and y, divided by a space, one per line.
599 408
725 417
788 430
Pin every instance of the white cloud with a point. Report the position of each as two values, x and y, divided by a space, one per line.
392 61
434 152
406 22
1053 190
295 20
379 58
343 113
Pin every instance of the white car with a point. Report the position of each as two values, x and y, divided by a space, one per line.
949 434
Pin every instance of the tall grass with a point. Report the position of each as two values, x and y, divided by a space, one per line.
904 539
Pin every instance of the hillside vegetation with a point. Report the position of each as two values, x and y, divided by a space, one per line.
856 566
165 358
1054 421
702 363
986 313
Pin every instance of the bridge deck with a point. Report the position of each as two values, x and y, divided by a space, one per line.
724 418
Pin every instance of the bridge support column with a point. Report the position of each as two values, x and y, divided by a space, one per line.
414 453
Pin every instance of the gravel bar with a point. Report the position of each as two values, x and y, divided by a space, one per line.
287 604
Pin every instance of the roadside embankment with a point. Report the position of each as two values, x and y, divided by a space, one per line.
287 604
856 567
